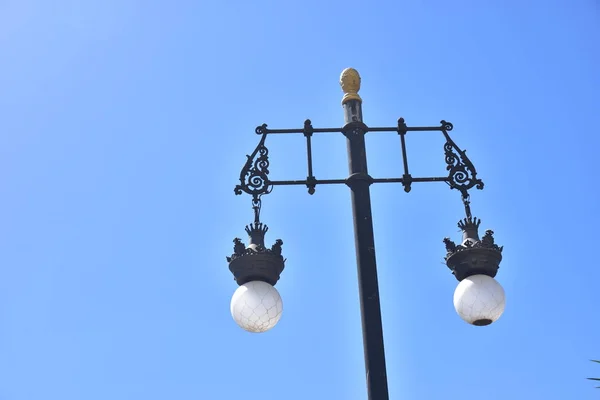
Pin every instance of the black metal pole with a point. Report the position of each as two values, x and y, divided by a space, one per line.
359 182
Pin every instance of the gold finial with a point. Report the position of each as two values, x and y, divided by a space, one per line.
350 82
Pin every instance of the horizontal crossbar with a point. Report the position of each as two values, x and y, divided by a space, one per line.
338 181
369 129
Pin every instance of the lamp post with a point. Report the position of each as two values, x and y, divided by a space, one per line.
256 305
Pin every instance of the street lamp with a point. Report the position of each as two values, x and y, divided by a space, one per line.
256 305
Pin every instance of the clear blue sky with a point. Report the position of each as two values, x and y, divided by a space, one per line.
123 127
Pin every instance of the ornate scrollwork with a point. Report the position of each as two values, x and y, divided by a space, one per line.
254 178
461 171
447 126
261 130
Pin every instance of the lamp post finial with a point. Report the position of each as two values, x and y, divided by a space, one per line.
350 82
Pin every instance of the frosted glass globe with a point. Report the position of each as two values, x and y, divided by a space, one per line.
256 306
479 300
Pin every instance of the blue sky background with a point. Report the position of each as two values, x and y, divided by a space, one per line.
123 128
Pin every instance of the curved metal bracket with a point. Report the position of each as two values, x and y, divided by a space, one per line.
254 178
462 174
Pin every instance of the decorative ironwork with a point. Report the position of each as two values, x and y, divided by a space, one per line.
276 248
473 256
239 248
256 233
262 129
254 177
462 174
466 198
255 262
254 180
256 206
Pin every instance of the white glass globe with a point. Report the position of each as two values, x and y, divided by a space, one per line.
256 306
479 300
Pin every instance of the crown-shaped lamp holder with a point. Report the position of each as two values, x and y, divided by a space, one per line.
473 256
255 262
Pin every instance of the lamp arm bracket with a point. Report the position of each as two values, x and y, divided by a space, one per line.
462 174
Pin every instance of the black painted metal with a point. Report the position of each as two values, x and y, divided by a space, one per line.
406 178
254 177
462 174
255 262
473 256
345 181
311 181
255 181
359 182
